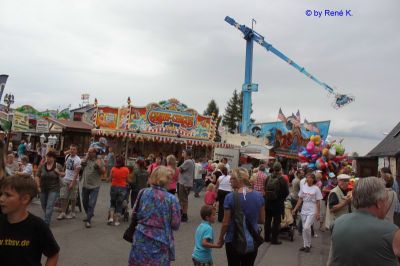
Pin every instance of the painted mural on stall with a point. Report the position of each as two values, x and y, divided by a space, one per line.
288 136
169 118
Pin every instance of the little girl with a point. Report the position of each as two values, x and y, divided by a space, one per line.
210 196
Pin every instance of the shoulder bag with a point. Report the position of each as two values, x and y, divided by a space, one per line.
128 234
243 229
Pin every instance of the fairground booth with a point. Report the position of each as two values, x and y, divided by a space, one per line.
289 137
49 128
164 128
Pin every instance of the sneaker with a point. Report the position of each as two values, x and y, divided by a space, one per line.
85 220
70 215
88 225
61 216
315 235
110 221
116 223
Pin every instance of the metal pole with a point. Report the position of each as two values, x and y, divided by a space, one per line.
126 149
247 91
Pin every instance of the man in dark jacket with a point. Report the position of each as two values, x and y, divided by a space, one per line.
276 191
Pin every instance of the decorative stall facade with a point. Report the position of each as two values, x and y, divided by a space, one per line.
166 127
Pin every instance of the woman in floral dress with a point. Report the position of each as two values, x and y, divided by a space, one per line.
158 216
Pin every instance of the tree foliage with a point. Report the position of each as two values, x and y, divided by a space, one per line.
232 113
212 108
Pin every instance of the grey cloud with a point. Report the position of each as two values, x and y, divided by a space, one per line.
153 50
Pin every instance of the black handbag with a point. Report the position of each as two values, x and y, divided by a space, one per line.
239 221
128 234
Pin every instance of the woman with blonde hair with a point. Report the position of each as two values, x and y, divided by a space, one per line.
252 205
158 215
171 164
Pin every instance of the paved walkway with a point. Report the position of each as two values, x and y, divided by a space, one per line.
102 245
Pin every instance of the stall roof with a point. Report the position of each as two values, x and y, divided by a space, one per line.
259 156
71 125
159 138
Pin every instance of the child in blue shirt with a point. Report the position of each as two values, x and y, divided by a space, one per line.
204 238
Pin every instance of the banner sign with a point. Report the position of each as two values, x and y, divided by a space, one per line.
107 117
162 117
20 122
42 126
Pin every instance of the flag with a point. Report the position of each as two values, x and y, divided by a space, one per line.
3 80
310 126
298 116
293 120
281 116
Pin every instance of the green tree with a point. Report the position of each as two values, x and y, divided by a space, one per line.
212 108
232 113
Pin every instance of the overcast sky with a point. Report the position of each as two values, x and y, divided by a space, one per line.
152 50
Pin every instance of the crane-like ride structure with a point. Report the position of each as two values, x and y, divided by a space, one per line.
248 87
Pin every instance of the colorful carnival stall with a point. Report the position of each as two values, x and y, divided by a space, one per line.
308 144
166 127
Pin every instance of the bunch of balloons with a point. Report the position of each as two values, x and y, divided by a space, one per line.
323 155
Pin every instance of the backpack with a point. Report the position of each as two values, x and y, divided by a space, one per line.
272 188
245 238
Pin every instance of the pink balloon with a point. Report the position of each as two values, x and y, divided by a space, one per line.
310 147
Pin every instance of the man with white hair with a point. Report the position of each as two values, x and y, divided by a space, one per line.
363 237
339 200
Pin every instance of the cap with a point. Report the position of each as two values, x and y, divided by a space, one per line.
277 166
343 176
331 175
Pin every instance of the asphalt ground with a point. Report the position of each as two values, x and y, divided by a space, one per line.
102 245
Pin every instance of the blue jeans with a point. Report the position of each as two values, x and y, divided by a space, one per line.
117 197
47 200
198 185
89 199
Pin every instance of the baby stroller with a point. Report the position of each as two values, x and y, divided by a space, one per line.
288 223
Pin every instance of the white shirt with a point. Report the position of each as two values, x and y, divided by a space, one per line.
302 183
225 183
228 167
70 165
310 195
198 174
27 169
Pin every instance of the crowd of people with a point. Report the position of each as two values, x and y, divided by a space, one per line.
364 217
